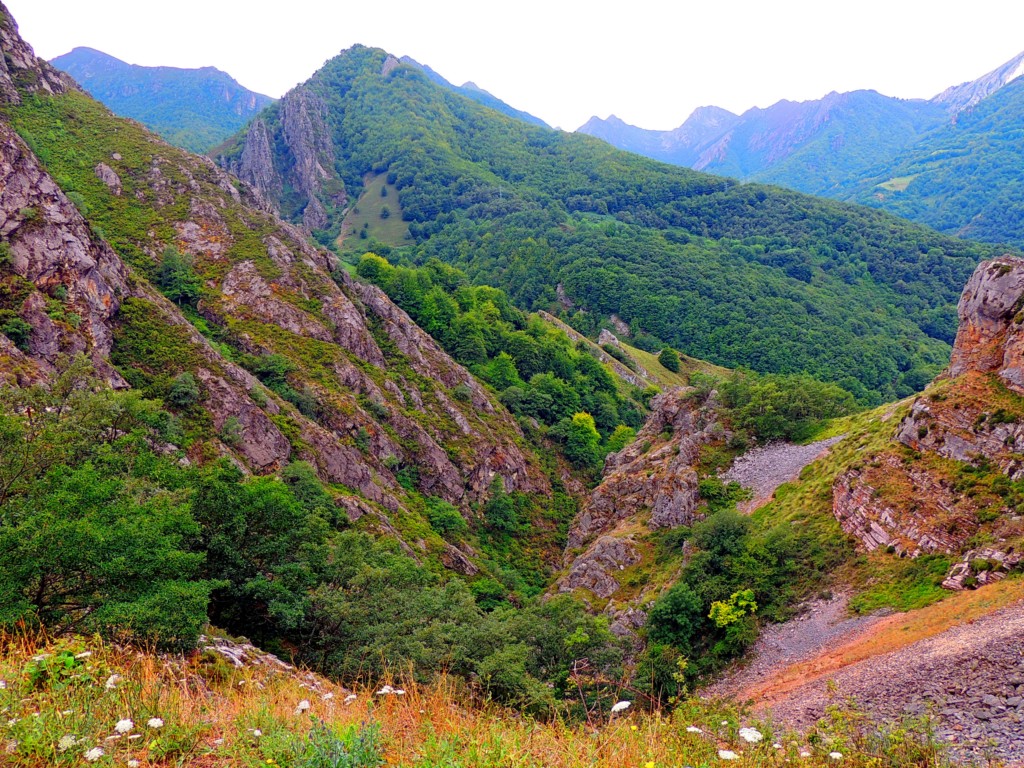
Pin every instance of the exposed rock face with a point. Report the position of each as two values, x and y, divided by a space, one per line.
20 68
52 247
991 337
967 429
930 516
638 378
982 566
257 162
655 473
594 572
107 175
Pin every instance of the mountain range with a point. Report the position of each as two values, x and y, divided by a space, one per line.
192 108
468 443
905 156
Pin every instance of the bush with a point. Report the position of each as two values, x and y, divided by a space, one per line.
669 359
445 519
184 391
18 331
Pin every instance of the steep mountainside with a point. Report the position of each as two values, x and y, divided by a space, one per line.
191 108
962 178
477 94
740 275
810 146
949 162
343 378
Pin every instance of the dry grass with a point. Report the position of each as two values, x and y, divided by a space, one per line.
216 715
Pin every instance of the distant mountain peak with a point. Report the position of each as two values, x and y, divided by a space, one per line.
966 95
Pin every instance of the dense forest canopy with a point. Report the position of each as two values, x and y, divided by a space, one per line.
740 274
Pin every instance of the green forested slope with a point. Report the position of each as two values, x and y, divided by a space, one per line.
739 274
963 178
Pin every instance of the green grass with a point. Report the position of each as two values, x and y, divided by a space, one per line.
365 215
898 183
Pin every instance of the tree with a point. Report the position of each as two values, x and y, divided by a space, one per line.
582 442
669 359
177 279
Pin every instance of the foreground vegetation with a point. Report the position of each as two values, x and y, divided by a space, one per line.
78 700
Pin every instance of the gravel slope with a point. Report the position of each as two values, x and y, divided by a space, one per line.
764 469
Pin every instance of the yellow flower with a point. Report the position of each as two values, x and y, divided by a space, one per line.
650 764
632 727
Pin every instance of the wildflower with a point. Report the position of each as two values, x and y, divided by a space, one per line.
649 764
386 690
303 707
83 655
693 729
632 728
836 755
123 726
399 692
327 696
725 722
218 742
751 735
155 722
12 723
727 754
133 763
135 736
804 753
350 698
776 746
3 685
67 741
66 712
621 706
257 733
112 682
94 754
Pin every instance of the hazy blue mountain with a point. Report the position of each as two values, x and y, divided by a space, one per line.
192 108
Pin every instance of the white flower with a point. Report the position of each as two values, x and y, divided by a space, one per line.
94 754
725 722
218 742
386 690
836 755
693 729
327 696
155 722
804 753
67 741
776 746
12 723
133 763
621 706
123 726
727 754
399 692
3 685
135 736
257 733
83 655
751 735
303 707
111 684
350 698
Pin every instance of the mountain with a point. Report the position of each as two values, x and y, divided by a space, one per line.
477 94
191 108
871 149
959 98
741 275
810 146
681 146
961 178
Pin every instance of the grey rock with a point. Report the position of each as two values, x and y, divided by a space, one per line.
107 175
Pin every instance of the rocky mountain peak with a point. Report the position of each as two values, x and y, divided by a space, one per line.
20 68
961 97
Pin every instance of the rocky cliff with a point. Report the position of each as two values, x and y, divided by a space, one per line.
345 380
949 476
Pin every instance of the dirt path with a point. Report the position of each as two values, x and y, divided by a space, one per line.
764 469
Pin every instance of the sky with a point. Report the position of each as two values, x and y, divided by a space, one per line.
650 63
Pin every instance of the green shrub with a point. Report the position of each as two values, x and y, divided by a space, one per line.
669 359
444 518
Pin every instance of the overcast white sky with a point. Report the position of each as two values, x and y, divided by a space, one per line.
649 62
